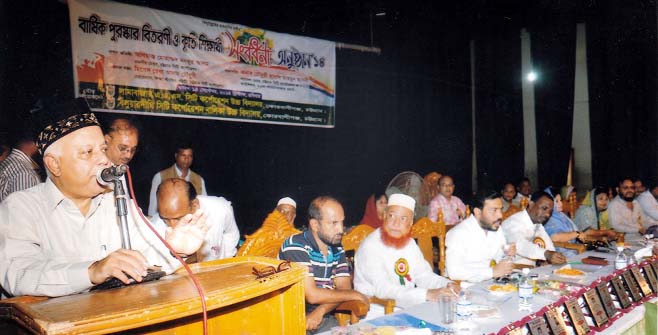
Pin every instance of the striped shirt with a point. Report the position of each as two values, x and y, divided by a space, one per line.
17 172
303 249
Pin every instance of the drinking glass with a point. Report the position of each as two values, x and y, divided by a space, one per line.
447 308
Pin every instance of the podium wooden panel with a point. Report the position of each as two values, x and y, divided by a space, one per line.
237 303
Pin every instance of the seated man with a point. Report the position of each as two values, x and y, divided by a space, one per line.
649 204
473 245
451 206
328 282
524 190
639 187
624 211
526 229
288 208
509 197
389 264
61 236
177 198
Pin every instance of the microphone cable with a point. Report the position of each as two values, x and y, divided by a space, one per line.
195 281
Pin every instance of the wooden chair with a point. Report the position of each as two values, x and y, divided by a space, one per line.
267 240
571 205
511 210
352 239
524 203
426 232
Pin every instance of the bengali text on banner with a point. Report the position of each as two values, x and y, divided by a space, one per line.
134 59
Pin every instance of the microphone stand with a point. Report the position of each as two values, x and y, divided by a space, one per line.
122 212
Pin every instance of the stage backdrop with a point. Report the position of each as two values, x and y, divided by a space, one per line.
139 60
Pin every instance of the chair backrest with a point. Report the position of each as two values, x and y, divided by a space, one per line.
426 232
524 202
571 205
510 211
352 239
267 240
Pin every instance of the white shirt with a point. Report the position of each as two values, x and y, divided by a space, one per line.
528 236
649 206
470 250
47 245
622 219
157 179
374 272
223 234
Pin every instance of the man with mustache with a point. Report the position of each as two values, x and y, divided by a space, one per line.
624 211
526 230
122 138
478 242
389 264
62 236
319 248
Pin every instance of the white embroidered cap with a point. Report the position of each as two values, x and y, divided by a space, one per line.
403 200
287 201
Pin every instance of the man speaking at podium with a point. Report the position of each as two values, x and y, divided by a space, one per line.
61 236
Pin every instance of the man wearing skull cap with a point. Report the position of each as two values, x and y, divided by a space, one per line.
61 236
390 265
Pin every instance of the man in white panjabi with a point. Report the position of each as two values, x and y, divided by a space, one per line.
389 264
478 242
526 230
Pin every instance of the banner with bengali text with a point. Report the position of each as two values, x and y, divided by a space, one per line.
138 60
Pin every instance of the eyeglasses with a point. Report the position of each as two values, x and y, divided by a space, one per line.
127 150
270 270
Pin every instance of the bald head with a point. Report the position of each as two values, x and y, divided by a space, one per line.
176 198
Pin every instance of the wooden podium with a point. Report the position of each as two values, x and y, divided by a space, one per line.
237 303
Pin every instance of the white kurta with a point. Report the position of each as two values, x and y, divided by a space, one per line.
649 206
223 234
47 245
470 250
622 218
531 239
374 272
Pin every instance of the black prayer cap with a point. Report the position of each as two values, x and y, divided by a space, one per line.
56 119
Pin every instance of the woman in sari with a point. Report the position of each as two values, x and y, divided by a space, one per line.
375 208
561 229
593 212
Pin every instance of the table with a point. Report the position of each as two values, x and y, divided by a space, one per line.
237 303
508 303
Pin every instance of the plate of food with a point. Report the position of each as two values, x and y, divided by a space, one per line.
568 272
500 289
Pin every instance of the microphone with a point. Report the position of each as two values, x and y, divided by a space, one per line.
108 175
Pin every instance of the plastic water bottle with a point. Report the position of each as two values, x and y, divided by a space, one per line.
525 292
463 307
620 261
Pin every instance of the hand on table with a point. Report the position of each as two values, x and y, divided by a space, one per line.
555 257
503 268
119 264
